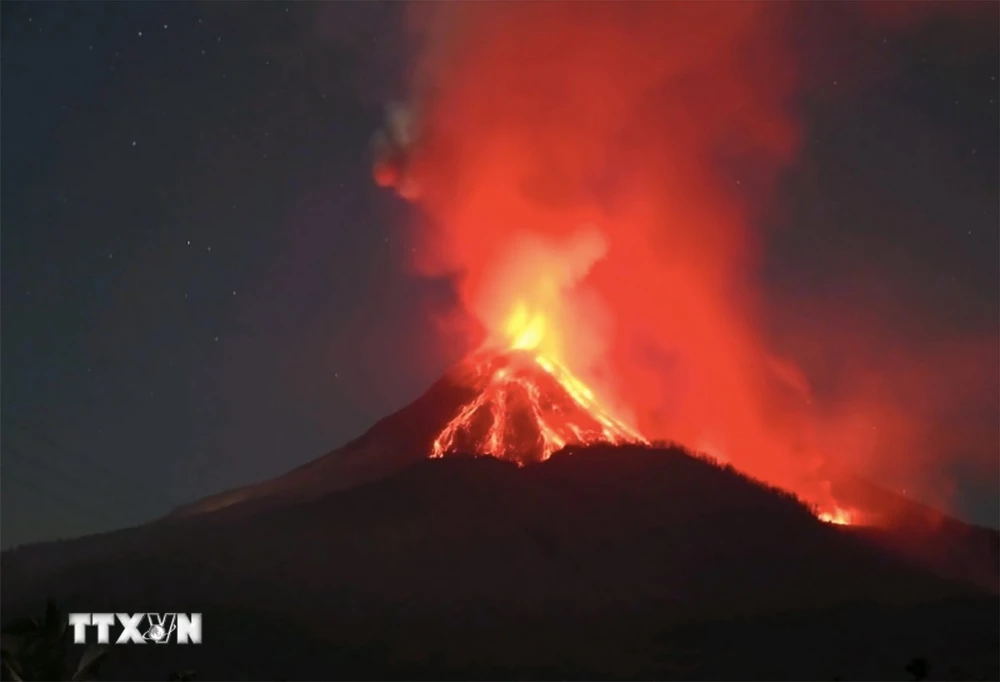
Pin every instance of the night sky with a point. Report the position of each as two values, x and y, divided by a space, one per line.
202 287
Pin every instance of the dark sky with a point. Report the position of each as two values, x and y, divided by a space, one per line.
201 286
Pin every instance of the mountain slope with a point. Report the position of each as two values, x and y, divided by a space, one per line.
456 564
522 407
394 442
513 405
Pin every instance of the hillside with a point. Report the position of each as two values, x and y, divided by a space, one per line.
606 562
512 404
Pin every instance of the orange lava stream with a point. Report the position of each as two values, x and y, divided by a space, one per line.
528 408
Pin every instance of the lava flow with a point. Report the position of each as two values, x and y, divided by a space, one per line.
527 404
839 517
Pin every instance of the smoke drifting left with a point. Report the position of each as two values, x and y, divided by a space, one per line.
606 169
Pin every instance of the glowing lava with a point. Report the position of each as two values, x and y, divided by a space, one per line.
838 516
528 405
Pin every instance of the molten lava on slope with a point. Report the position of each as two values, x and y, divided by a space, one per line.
527 407
527 404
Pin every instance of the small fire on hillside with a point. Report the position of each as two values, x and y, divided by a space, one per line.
839 516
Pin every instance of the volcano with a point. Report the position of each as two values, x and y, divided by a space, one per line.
601 562
516 405
521 407
406 554
509 501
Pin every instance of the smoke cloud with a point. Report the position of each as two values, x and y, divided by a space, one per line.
615 158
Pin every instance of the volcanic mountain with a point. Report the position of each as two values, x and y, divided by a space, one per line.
520 406
601 562
516 405
577 551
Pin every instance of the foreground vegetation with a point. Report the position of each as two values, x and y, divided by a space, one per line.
39 649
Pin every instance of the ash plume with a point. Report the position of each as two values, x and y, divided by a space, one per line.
529 122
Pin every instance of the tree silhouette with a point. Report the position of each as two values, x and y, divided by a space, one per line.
34 649
918 668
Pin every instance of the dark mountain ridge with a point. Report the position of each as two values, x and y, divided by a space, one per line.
390 445
594 563
510 403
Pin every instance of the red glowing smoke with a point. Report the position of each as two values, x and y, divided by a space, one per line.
604 164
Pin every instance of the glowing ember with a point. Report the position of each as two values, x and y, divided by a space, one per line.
838 516
528 405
